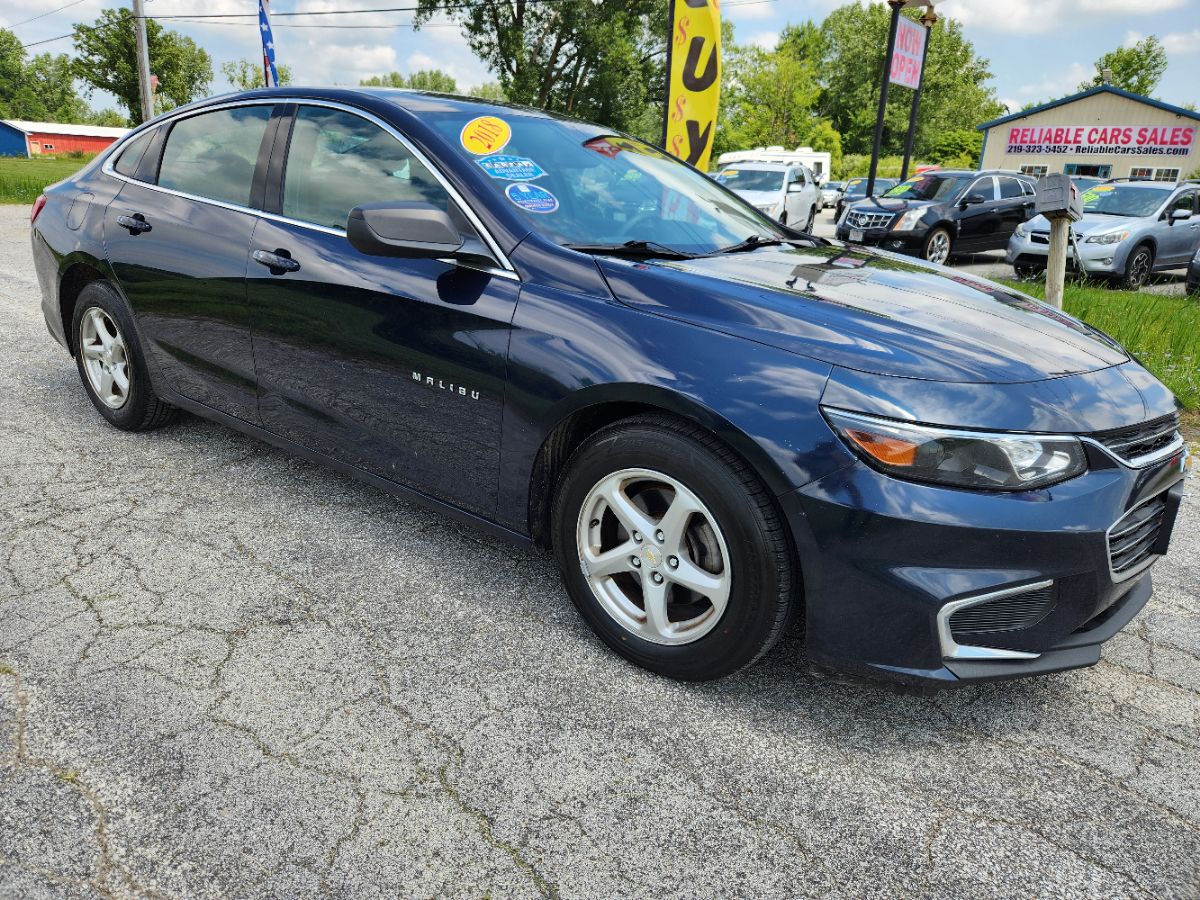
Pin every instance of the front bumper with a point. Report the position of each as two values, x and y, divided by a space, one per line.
896 241
1034 248
886 562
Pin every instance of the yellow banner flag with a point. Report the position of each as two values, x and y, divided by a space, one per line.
693 80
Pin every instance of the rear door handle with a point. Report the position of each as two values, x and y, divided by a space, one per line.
278 262
136 223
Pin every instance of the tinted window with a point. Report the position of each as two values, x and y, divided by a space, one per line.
337 161
127 162
985 187
1009 188
213 154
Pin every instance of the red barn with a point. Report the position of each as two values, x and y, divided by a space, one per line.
52 138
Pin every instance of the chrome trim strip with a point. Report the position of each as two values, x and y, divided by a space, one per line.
1139 462
951 649
506 271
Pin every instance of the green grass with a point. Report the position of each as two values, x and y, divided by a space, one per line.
1162 332
21 180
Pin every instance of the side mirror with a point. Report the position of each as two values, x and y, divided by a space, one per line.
407 230
973 199
1179 215
795 187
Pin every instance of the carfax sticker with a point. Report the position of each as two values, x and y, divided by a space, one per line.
531 198
485 134
511 168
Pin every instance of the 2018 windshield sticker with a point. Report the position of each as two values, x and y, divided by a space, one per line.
485 134
531 198
511 168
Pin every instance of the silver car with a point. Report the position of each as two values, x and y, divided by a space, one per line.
1129 230
830 192
786 193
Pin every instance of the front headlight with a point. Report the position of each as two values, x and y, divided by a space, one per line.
964 459
1113 237
1021 231
909 220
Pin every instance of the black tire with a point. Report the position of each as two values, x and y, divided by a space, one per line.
762 574
141 410
933 246
1138 268
1027 271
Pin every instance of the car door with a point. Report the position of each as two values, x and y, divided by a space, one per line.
977 222
177 236
1014 207
396 366
1177 241
795 197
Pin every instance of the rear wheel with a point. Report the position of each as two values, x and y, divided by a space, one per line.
812 219
672 550
110 362
937 246
1137 268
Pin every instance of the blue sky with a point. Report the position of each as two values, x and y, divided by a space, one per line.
1038 48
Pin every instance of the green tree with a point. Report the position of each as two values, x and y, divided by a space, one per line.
247 74
1138 68
422 80
600 61
489 90
106 59
41 89
109 117
855 43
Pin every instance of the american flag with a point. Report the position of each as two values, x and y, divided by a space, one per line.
264 26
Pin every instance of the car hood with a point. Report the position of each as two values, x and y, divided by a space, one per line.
760 198
868 311
888 204
1089 223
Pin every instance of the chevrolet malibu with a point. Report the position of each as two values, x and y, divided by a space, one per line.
716 423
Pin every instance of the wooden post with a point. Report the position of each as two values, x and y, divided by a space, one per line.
1056 263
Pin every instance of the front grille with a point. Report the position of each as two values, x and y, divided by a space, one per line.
1140 441
857 219
1132 540
1039 237
1006 613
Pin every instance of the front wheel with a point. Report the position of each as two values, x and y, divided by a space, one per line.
1137 268
937 246
672 550
1027 271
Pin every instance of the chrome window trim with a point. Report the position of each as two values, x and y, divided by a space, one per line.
506 270
951 649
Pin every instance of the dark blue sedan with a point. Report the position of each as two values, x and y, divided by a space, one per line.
716 423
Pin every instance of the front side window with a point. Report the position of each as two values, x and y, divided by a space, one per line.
985 188
213 154
1185 201
929 187
337 161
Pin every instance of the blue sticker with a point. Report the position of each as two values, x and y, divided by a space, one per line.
531 198
511 168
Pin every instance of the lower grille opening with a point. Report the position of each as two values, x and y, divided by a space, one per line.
1006 613
1131 541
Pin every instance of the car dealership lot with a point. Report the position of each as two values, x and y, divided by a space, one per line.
224 671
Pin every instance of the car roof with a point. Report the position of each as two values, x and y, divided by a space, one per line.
1141 184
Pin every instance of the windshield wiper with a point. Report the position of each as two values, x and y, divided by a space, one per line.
750 243
647 249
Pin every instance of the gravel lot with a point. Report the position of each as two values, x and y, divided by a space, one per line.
226 672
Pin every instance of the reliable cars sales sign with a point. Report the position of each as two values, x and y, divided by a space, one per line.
1119 140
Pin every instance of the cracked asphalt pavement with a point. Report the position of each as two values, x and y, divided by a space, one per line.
227 672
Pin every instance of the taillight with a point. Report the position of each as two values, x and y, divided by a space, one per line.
38 204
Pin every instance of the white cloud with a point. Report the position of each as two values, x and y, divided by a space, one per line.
748 10
765 39
1061 82
1041 16
1182 42
344 64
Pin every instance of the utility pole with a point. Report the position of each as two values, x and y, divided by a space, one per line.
145 89
928 20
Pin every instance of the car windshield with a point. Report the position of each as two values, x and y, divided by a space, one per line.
578 185
832 186
929 187
1123 200
751 179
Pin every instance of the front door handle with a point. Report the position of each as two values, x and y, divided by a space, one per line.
136 223
278 262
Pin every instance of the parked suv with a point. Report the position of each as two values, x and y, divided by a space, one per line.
1129 230
831 192
788 194
939 214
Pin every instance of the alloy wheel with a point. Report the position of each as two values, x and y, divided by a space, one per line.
938 249
1139 268
654 556
105 357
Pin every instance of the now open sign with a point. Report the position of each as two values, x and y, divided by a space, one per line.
908 53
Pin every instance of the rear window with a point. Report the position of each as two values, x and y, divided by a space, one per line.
127 161
213 154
